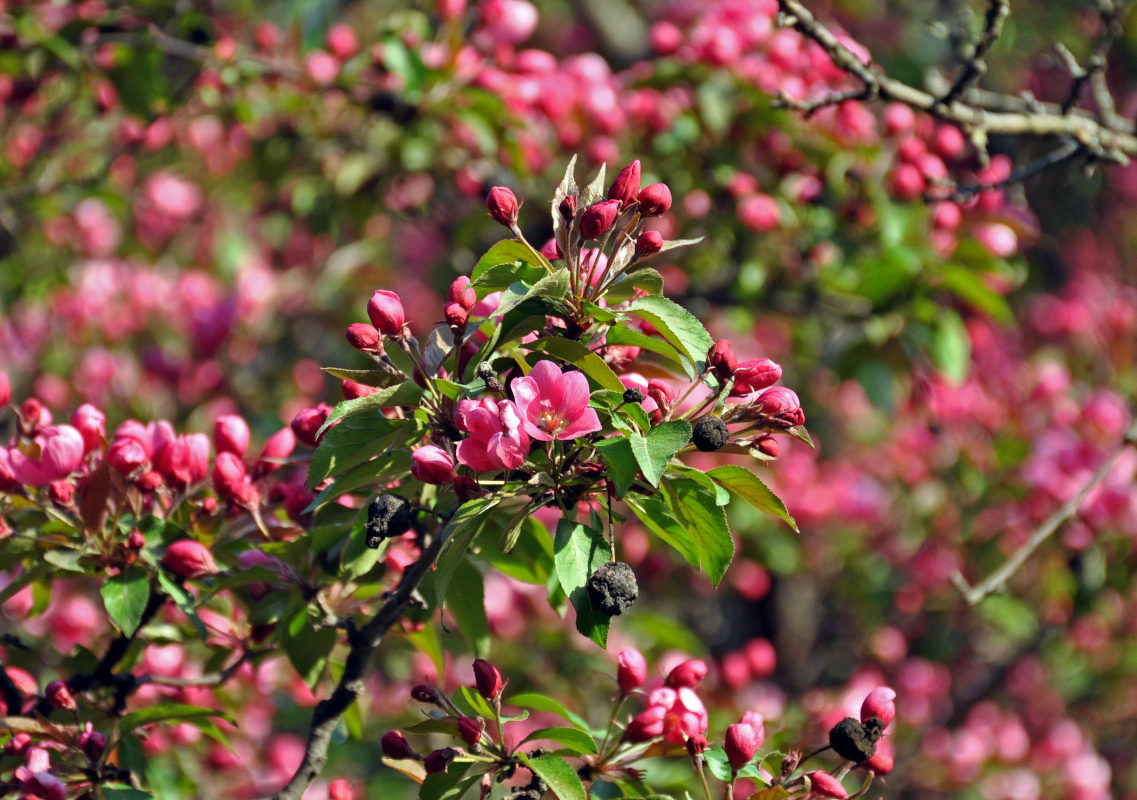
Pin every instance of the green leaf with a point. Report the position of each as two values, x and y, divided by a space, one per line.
581 357
502 276
177 712
951 347
449 785
125 596
506 251
624 287
119 791
622 464
623 334
407 393
578 551
705 523
466 599
357 439
466 523
307 646
679 327
576 740
559 775
539 702
530 560
655 451
745 484
395 465
550 288
472 703
658 518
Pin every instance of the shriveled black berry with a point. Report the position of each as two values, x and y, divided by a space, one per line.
633 395
709 434
612 588
388 515
486 373
855 741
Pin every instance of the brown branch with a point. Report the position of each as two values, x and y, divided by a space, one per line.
997 580
1068 150
811 107
976 66
1111 140
363 643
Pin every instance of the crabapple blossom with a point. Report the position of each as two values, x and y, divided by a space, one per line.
497 438
553 403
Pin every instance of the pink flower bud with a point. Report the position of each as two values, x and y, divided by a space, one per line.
395 746
648 243
462 293
59 696
882 761
432 464
660 392
655 200
307 422
231 434
340 789
277 447
364 338
456 316
386 312
567 208
879 704
688 674
136 541
647 725
551 250
721 359
342 41
487 679
755 375
598 218
353 391
741 743
322 67
470 729
439 760
228 475
5 389
503 206
91 424
631 671
189 559
825 785
759 212
61 492
62 449
126 455
184 459
782 404
627 184
696 744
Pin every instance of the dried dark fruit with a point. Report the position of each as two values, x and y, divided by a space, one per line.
709 434
612 588
855 741
634 395
388 515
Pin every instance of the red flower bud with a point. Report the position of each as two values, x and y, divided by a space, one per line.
277 447
228 475
136 541
188 559
487 678
59 696
696 744
551 250
462 293
439 760
598 218
660 392
646 726
470 729
432 464
688 674
632 669
755 375
385 310
424 694
825 785
91 424
769 446
502 205
567 208
395 746
741 743
655 200
456 316
340 789
231 434
879 704
5 389
648 243
353 391
307 422
721 359
882 761
627 184
364 338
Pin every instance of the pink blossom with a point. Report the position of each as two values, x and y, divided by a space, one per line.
61 453
187 558
741 743
554 404
825 785
432 464
231 434
92 424
632 669
879 704
497 439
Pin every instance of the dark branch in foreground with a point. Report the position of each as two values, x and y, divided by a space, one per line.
363 643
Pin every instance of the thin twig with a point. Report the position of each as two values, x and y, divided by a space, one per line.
997 580
975 66
1068 150
811 107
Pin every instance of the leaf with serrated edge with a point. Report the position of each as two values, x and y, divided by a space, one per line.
675 243
558 774
745 484
576 740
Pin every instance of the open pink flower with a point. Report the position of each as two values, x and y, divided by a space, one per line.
60 454
497 439
554 404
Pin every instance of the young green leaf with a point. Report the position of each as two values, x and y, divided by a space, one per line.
655 451
745 484
678 326
559 775
578 551
125 596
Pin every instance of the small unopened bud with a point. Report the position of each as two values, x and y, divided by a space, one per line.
768 445
439 760
385 310
696 744
631 669
59 696
598 218
627 184
462 293
655 200
567 208
395 746
709 434
741 743
231 434
721 359
340 789
456 316
431 464
487 679
612 588
388 515
687 675
470 729
425 694
307 422
503 206
364 338
648 243
755 375
136 541
879 703
5 389
189 559
823 784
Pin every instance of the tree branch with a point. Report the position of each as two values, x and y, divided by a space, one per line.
997 580
976 67
363 644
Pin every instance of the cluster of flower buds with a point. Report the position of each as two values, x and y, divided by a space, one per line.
674 711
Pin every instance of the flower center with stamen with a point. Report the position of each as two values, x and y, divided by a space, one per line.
552 422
